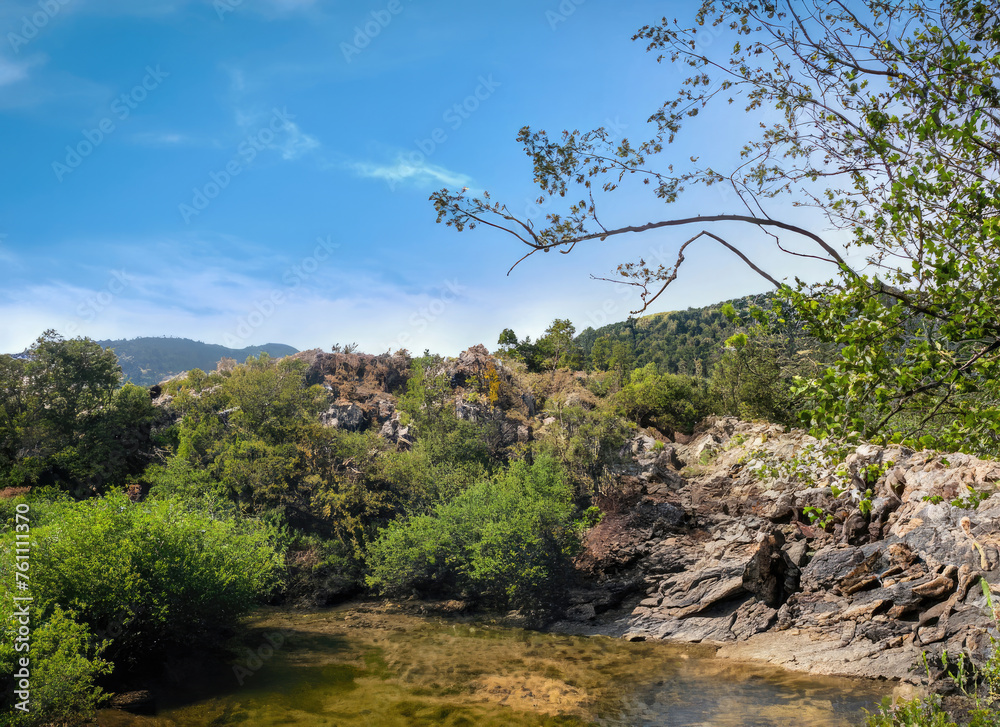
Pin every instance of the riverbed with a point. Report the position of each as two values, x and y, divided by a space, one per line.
375 666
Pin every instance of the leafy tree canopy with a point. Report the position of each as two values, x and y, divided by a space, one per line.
880 116
65 421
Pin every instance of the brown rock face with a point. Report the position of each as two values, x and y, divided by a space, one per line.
764 575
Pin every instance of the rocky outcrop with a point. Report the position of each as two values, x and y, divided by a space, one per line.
395 433
651 461
362 390
345 415
363 374
476 371
719 547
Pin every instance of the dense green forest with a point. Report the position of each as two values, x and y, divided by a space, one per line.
679 342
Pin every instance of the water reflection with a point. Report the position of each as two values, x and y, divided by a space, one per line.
357 667
705 691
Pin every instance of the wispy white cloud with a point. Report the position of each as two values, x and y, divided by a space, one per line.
226 294
290 140
244 88
295 143
12 72
161 138
221 305
417 172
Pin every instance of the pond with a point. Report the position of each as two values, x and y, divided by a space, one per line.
366 666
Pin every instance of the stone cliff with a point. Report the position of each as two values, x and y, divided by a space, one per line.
716 546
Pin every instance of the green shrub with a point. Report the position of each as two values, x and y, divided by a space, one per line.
504 541
666 401
179 479
915 713
152 576
589 445
64 666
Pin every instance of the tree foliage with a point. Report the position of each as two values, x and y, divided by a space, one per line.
123 585
667 401
880 116
159 574
753 378
66 422
557 348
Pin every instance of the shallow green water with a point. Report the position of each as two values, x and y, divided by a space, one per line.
354 667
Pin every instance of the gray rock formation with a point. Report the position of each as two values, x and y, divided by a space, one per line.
724 552
345 416
392 431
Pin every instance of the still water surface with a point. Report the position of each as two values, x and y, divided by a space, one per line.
353 667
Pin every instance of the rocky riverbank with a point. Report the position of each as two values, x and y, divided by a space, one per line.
715 545
735 535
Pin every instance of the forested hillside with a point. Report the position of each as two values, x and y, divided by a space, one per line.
679 342
147 361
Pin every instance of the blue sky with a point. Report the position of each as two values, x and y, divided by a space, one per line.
243 172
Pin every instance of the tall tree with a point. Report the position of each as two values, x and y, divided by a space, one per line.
600 354
880 116
64 420
557 343
507 340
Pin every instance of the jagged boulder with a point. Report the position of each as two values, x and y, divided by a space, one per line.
345 415
652 462
766 574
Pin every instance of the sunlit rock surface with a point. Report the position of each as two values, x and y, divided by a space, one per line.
717 547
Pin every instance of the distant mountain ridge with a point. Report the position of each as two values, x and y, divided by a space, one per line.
147 361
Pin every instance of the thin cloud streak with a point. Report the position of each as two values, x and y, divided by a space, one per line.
418 173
